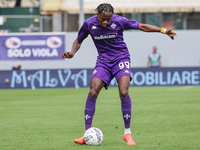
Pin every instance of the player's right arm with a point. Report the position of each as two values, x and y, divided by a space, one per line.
75 47
82 34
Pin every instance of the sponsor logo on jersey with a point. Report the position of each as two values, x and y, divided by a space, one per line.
113 25
106 36
93 27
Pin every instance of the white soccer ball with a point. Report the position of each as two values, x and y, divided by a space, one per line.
93 136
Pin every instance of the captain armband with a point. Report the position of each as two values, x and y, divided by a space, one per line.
163 30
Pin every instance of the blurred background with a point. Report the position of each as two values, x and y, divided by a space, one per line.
55 17
63 15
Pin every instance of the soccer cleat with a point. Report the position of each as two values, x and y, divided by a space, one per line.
80 140
128 139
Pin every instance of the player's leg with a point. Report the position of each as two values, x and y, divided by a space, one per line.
122 71
126 105
101 77
96 85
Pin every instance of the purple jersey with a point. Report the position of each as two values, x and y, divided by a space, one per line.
108 40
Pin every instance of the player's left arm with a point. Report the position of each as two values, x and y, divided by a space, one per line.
148 63
160 64
151 28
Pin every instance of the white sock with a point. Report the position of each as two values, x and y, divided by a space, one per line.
127 130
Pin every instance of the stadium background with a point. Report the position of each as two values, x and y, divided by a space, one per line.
165 108
55 16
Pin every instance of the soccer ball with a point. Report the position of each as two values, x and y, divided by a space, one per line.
93 136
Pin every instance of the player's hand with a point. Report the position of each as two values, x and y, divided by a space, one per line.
170 33
67 55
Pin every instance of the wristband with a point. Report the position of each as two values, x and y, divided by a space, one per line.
163 30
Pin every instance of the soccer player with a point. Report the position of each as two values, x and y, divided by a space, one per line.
106 30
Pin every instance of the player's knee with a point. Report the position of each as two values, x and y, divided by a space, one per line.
123 93
93 93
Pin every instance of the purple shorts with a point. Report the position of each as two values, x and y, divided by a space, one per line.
107 71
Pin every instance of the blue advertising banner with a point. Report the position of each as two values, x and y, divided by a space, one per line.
31 47
77 78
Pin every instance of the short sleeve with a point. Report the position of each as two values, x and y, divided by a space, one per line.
149 56
83 32
128 24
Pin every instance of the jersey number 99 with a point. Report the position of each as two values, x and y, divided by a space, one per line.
122 64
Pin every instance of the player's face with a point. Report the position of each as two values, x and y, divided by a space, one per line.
104 18
154 49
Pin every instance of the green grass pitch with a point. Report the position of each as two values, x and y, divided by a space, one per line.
166 118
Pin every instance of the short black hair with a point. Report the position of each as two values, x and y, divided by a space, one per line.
104 7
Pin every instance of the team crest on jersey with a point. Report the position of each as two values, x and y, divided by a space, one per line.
95 71
113 25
